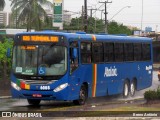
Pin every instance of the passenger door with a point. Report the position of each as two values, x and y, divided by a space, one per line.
74 71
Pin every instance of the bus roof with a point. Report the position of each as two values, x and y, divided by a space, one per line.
89 37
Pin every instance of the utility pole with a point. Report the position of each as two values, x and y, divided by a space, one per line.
82 18
91 11
91 22
106 21
85 16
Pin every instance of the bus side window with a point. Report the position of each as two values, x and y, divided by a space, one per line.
118 52
97 52
73 61
86 52
108 52
137 51
146 48
128 52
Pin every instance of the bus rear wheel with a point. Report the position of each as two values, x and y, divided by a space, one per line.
126 89
82 96
33 102
132 89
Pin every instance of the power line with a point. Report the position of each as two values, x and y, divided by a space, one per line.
99 7
91 11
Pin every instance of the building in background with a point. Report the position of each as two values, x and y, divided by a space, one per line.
3 18
148 29
11 21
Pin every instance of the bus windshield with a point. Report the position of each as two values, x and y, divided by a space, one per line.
39 60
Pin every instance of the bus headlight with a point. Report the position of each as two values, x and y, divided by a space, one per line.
61 87
15 86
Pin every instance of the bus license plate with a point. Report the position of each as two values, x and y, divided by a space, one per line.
37 95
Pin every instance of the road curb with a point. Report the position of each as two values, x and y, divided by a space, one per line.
5 97
123 101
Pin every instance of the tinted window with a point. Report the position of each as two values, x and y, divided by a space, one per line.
128 52
97 52
108 52
86 52
137 52
146 51
118 52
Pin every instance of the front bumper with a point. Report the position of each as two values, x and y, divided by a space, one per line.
45 95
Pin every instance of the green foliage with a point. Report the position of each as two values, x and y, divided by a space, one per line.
115 28
2 25
158 92
96 25
76 24
150 95
5 63
5 43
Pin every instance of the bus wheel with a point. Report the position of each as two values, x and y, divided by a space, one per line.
82 96
132 88
33 102
126 89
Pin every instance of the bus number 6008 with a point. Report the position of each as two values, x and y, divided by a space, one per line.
44 87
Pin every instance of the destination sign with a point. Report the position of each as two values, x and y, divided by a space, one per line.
39 38
28 47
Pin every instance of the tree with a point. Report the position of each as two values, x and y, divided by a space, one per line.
76 24
30 12
2 25
5 63
2 4
96 25
116 28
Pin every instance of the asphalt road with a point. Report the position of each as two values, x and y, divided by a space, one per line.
10 104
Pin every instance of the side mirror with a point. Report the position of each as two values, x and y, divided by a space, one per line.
8 54
74 53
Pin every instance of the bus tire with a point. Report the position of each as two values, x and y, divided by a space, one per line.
132 88
33 102
126 89
82 96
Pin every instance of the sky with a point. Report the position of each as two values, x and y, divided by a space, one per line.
119 12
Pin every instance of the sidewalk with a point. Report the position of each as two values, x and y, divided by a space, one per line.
5 88
5 93
156 66
5 97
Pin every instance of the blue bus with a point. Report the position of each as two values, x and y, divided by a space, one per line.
76 66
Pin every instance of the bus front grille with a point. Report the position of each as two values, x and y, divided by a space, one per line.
38 82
